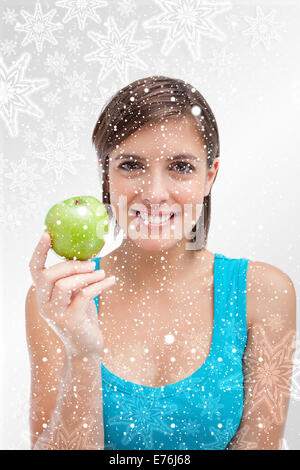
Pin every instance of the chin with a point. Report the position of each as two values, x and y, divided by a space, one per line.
155 245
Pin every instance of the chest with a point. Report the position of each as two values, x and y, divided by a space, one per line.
156 338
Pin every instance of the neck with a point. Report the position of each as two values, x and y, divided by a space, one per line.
140 268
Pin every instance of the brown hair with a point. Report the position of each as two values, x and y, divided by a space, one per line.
153 99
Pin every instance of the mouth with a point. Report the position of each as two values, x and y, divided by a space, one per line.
154 221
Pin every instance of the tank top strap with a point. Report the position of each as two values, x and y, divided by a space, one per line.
230 304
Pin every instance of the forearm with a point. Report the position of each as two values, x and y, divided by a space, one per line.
77 420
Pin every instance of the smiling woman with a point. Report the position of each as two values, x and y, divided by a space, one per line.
157 99
185 354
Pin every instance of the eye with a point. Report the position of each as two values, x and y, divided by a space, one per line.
187 166
131 166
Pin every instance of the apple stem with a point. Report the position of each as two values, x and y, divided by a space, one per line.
78 202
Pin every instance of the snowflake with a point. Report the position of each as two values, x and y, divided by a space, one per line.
68 439
3 164
295 386
73 44
76 119
14 93
209 406
268 373
59 156
8 47
56 63
262 28
99 99
117 50
22 176
141 417
232 20
188 21
38 27
9 16
81 10
30 136
240 440
220 61
3 167
126 7
52 99
77 84
222 434
32 206
10 217
48 127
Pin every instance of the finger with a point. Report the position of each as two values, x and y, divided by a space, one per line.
64 288
38 259
85 295
61 271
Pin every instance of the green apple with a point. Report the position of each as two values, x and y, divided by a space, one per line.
77 227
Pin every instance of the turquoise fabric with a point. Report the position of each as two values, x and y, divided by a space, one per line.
204 410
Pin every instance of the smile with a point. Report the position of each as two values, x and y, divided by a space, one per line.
156 221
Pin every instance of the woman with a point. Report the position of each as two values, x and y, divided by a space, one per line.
195 347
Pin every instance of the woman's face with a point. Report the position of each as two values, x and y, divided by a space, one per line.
160 169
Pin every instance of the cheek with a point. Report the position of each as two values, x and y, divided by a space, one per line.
190 193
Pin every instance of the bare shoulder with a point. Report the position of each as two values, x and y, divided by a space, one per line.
271 295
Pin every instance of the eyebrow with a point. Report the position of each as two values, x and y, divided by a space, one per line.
183 156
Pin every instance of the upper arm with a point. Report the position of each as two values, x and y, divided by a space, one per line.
47 353
268 358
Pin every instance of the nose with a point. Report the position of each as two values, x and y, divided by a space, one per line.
155 190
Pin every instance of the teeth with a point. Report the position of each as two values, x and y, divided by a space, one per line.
155 219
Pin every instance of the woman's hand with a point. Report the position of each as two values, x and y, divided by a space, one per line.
65 294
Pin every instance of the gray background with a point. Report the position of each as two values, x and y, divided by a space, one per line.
250 77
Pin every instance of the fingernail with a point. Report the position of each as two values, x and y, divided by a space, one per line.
112 278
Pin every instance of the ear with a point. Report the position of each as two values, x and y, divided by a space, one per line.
211 176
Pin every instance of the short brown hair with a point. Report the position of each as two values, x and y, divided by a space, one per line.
153 99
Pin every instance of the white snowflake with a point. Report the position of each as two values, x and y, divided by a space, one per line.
38 27
81 10
117 50
126 7
30 136
232 20
77 84
52 99
73 44
9 16
14 93
32 206
3 167
10 217
100 98
76 119
220 61
59 156
8 47
23 176
56 63
263 28
188 21
48 126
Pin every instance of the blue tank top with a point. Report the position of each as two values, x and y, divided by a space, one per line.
202 411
